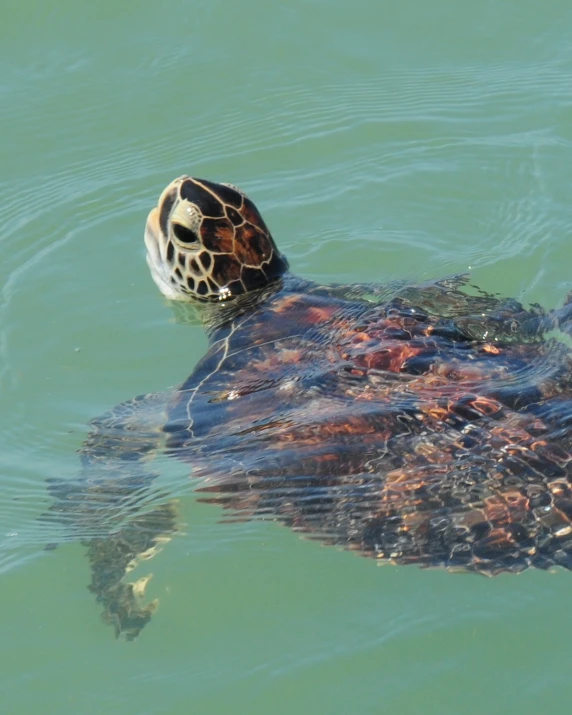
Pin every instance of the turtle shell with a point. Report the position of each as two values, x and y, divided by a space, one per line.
391 429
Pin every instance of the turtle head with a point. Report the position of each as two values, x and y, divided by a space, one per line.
208 242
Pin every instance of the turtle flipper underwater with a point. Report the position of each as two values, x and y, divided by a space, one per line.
115 510
427 424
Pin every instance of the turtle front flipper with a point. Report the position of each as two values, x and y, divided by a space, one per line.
115 555
113 507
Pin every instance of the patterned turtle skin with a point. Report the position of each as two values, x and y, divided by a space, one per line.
427 424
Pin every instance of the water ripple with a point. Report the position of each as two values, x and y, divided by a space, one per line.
354 164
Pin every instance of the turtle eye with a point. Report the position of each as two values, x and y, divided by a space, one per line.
184 234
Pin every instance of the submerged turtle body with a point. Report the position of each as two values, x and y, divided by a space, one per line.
417 424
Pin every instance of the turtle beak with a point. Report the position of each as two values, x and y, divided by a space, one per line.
151 229
155 260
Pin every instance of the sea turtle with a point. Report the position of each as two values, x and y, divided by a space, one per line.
426 424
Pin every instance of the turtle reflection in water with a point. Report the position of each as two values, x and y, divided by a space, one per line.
415 424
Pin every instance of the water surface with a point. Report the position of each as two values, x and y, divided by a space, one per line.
381 141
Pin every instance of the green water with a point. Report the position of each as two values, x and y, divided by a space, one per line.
380 140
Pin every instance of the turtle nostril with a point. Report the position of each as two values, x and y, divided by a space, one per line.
184 234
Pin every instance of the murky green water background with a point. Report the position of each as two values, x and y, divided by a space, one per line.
381 140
